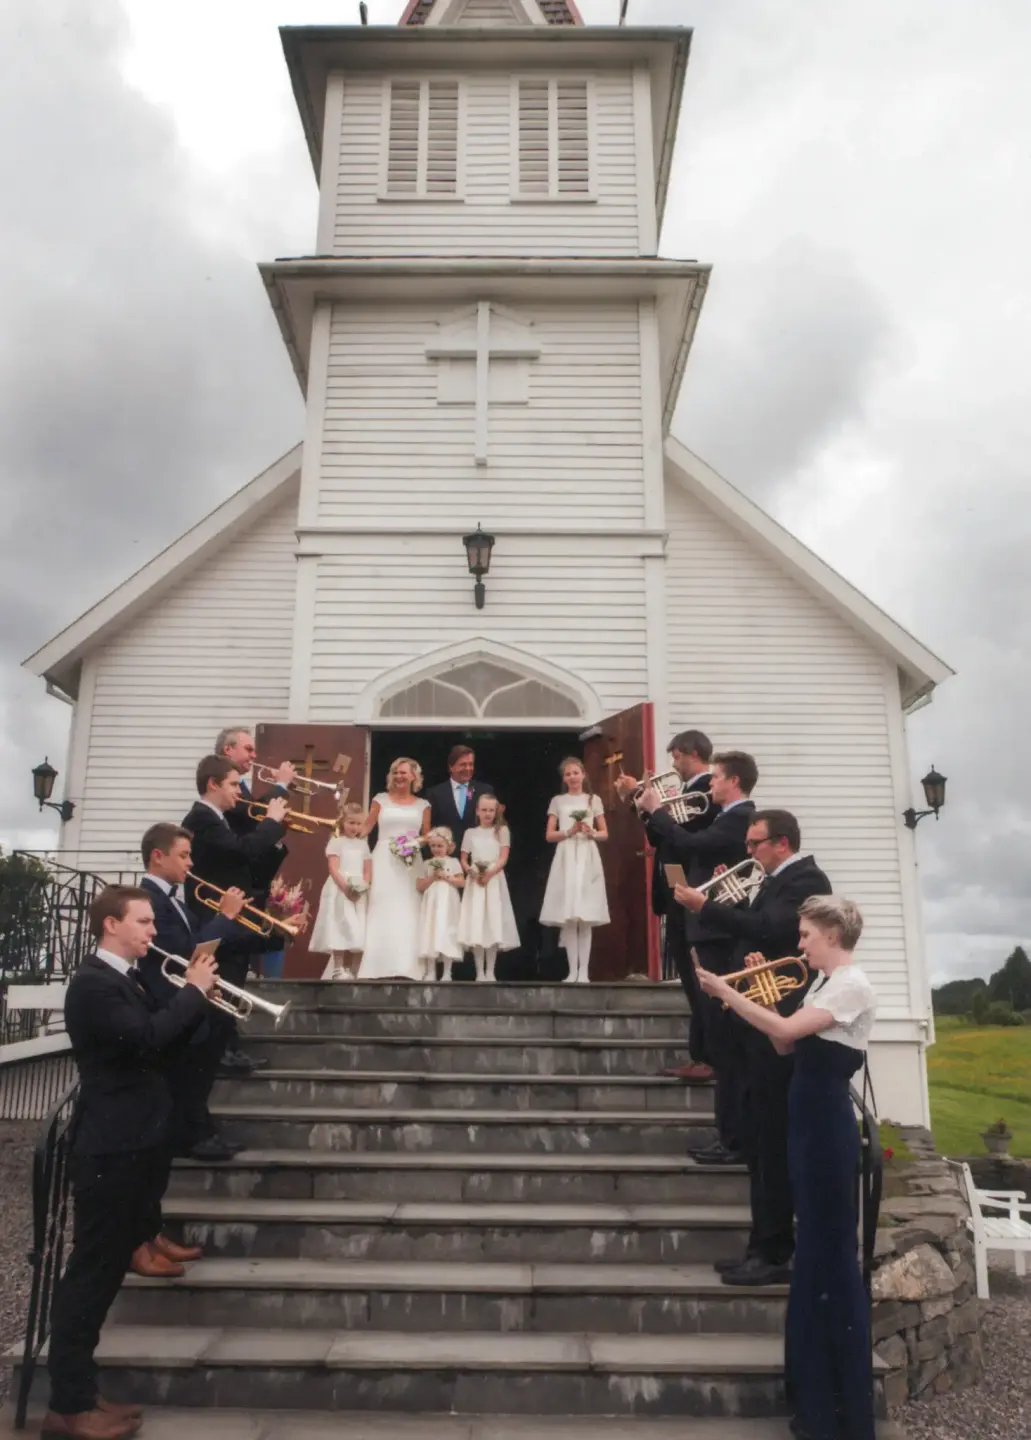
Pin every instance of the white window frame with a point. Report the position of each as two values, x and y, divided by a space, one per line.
421 197
554 197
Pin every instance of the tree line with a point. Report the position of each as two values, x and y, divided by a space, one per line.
1003 999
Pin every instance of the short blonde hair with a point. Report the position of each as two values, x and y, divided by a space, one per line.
832 912
441 832
413 765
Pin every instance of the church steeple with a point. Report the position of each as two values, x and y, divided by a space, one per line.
491 12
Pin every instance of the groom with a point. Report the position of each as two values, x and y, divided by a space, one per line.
453 803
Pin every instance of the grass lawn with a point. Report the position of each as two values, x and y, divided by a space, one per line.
979 1074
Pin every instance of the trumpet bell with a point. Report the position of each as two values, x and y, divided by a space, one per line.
741 882
682 805
226 997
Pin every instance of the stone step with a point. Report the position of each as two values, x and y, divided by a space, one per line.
370 1230
462 1373
317 1127
430 1090
436 1297
506 1054
632 997
168 1423
406 1175
484 1025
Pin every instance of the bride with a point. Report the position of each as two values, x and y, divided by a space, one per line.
392 926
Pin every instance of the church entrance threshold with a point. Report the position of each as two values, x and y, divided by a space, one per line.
522 766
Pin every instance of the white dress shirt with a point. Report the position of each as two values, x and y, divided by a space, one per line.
791 860
115 961
171 892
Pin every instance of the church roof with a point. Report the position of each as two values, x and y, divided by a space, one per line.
555 12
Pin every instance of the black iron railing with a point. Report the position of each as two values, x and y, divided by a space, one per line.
50 1213
30 1086
44 917
870 1184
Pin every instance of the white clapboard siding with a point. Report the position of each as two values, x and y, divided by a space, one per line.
760 665
575 448
214 651
486 221
382 605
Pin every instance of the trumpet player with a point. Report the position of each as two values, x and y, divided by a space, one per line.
119 1153
690 754
734 777
167 856
768 929
232 861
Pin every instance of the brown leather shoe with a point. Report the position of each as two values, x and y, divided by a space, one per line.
146 1261
124 1412
87 1425
172 1251
694 1071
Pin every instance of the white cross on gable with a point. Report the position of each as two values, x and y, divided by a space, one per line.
484 356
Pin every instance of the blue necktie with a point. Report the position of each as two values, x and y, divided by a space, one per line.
462 792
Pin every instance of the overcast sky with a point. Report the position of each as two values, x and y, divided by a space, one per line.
857 174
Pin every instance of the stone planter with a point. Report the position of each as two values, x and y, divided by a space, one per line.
995 1143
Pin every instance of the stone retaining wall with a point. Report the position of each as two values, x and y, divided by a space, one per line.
925 1317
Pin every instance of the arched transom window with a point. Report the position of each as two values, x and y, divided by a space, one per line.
479 689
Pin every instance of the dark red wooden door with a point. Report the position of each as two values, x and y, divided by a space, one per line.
629 944
325 752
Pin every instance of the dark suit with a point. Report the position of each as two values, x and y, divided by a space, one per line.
721 843
769 925
192 1065
677 939
242 823
120 1157
444 811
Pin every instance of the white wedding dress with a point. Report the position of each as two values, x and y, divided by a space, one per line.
392 921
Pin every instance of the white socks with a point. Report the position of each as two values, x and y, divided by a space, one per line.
575 939
486 959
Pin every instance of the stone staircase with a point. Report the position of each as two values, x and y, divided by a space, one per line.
466 1209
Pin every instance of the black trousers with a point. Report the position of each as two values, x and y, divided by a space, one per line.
764 1137
191 1077
678 949
117 1203
234 966
723 1048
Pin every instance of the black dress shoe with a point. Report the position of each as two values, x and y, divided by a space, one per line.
236 1146
248 1062
233 1063
214 1148
701 1153
723 1266
757 1271
725 1157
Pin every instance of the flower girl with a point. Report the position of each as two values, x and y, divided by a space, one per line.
575 896
340 924
487 922
438 919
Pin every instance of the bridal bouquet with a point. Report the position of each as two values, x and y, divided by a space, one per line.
356 884
287 903
406 848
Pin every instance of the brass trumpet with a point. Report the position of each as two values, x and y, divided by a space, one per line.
259 922
230 998
306 785
740 882
295 819
766 984
682 805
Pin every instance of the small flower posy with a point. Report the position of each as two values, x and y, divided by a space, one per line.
356 884
405 848
482 866
578 815
437 863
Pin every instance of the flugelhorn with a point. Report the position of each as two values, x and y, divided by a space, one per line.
294 820
766 983
259 922
740 882
230 998
683 805
306 785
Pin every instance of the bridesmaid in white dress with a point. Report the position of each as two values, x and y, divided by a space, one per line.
340 923
440 887
575 898
487 923
392 926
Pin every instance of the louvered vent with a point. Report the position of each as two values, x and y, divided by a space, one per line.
403 148
488 12
534 128
442 137
571 124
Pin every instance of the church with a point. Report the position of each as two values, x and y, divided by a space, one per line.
491 349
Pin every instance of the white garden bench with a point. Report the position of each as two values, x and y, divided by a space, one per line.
996 1232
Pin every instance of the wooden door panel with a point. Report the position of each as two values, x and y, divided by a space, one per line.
314 749
628 945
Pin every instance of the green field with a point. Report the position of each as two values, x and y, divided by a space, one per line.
976 1075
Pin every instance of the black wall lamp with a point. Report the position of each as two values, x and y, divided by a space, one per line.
43 777
478 547
934 794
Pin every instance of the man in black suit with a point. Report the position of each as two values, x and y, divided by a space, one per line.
119 1159
453 803
767 928
690 755
231 860
734 777
168 859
